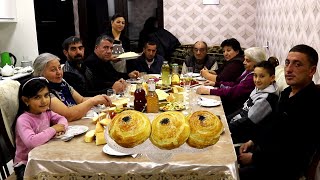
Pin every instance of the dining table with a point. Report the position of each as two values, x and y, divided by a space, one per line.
76 159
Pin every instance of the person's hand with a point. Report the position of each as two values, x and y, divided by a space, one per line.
101 99
134 74
120 86
245 158
203 90
60 128
246 147
204 71
209 83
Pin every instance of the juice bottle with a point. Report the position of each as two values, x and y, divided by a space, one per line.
165 73
175 79
139 98
152 98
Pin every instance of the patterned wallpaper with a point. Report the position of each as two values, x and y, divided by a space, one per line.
287 23
282 23
190 20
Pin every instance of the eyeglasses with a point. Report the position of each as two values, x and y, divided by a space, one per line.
32 79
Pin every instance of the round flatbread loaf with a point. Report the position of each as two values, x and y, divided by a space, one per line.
169 130
130 128
205 129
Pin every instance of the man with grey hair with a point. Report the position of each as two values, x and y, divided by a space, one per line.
102 69
199 59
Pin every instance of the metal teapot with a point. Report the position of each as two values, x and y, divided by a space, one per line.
8 58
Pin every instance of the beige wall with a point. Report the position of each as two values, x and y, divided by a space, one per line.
190 20
20 38
287 23
253 22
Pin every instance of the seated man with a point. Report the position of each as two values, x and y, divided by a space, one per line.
99 63
78 75
149 61
199 59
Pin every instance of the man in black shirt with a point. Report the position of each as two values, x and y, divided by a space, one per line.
78 75
99 64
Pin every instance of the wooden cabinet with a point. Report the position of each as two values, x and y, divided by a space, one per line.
8 11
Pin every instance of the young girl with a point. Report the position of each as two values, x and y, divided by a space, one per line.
36 124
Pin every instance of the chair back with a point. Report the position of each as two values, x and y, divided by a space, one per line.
7 150
9 104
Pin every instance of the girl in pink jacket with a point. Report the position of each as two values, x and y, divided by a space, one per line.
36 123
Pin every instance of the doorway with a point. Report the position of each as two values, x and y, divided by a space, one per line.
54 23
136 12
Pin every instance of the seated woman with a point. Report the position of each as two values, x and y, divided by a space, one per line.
65 100
234 94
199 59
232 67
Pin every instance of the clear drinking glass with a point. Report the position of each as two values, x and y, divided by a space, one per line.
112 94
143 76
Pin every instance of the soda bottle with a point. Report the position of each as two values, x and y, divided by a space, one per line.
139 98
152 98
165 74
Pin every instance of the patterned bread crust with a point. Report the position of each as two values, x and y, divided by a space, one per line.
169 130
205 129
130 128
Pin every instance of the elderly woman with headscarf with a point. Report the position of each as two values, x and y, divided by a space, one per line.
234 94
64 99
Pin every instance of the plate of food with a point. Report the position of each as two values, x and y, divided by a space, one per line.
154 76
133 81
74 131
128 55
195 74
200 78
172 106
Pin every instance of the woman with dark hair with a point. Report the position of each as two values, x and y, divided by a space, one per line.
121 42
232 68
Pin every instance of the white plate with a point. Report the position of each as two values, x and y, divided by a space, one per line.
209 103
209 87
200 78
133 81
74 130
128 55
195 74
108 150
